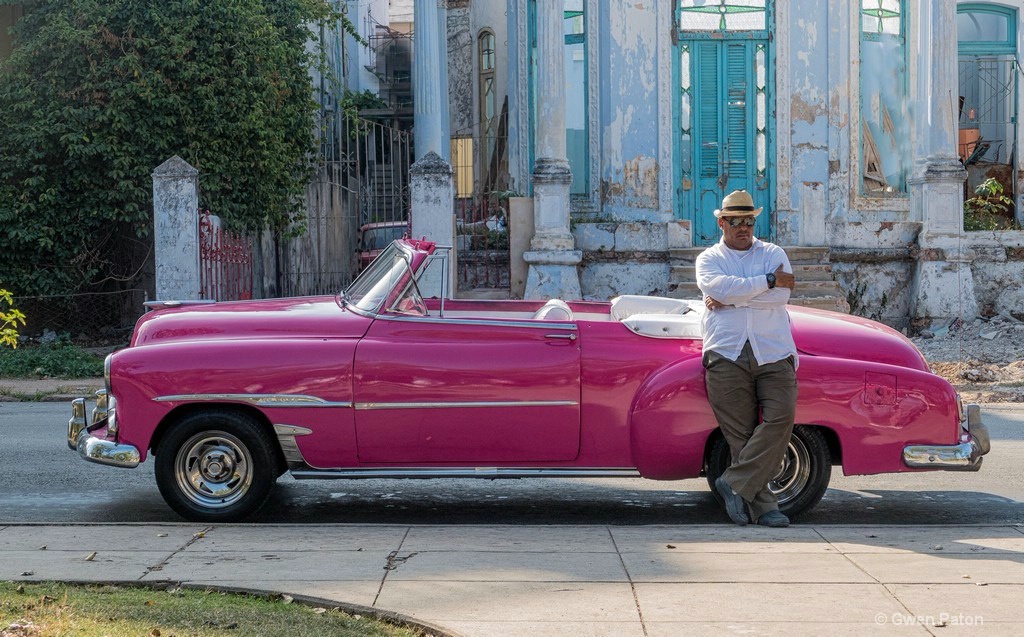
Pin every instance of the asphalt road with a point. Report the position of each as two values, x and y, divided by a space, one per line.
41 480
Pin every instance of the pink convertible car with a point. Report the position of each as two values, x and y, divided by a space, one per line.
381 382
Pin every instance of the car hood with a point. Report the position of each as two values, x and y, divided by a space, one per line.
823 333
300 317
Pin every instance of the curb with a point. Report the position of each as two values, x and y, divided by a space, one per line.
426 629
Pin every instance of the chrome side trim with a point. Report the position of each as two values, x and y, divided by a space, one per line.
258 400
462 472
286 435
458 405
535 325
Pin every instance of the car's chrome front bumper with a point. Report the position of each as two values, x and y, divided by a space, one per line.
94 448
966 456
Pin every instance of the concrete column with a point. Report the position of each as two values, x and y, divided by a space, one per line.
552 258
431 185
432 196
429 94
176 230
444 117
943 281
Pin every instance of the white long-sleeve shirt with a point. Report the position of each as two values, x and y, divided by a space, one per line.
752 312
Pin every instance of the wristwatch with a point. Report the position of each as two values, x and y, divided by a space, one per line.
771 280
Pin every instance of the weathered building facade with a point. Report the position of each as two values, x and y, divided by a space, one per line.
844 119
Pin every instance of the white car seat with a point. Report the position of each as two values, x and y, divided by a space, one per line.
554 310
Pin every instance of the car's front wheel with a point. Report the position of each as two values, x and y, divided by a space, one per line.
216 466
803 474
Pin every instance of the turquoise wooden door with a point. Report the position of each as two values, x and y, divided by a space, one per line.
728 140
724 110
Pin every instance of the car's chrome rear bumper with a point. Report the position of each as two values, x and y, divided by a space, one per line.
965 456
93 448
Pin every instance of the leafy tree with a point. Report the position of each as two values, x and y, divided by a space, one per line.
97 93
10 318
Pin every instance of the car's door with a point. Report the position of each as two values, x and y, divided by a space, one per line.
433 390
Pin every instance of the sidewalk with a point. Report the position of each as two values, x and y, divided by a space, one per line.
48 389
654 581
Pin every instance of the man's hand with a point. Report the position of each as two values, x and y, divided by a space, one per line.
784 279
712 304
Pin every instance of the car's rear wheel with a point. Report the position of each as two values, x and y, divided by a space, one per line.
216 466
803 474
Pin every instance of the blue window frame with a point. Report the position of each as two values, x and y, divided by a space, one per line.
885 125
986 29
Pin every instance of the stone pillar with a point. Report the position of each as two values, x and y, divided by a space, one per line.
431 185
428 91
444 117
176 230
552 258
943 281
432 195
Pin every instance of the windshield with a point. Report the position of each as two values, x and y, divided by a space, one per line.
370 289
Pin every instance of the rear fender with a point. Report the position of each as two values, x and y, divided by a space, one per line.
872 409
670 422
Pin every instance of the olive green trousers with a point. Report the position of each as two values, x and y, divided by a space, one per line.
755 406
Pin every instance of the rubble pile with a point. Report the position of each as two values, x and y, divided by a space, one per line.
983 358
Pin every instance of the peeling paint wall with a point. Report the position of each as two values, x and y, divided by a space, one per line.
817 142
806 68
998 272
630 79
461 67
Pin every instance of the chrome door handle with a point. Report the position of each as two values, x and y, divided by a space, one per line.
571 337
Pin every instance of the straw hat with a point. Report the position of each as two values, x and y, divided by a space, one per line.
738 203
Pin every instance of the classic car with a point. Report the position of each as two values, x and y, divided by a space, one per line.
379 381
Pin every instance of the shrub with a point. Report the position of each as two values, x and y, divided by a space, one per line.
10 318
989 208
98 93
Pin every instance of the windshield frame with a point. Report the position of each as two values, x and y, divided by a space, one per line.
374 286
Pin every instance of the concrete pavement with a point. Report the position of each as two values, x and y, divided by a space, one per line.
643 581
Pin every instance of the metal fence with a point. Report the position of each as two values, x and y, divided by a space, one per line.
363 178
480 164
87 316
225 261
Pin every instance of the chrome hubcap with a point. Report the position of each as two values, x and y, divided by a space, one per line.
213 469
794 472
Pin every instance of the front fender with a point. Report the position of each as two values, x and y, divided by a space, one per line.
153 382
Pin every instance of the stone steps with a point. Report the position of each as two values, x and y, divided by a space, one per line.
815 286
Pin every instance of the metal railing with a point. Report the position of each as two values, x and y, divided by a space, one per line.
225 261
480 166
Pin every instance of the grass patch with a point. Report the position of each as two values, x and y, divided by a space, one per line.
53 360
41 610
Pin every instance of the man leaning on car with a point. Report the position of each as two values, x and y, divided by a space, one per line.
749 357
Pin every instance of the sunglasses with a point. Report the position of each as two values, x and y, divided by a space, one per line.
736 222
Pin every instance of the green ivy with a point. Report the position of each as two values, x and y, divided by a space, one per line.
98 93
